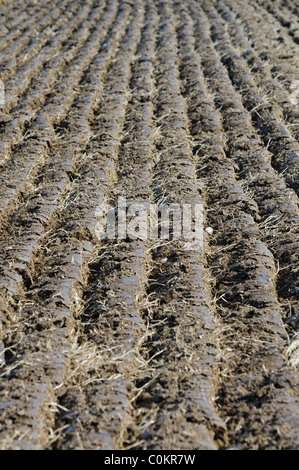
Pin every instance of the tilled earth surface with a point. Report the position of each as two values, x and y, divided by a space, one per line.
135 344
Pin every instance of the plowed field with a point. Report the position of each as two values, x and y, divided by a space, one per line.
133 343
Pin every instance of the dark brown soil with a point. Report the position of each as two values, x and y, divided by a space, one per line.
144 344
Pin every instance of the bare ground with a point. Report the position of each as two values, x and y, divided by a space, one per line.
140 344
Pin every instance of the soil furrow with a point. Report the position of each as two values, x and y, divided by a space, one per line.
265 116
13 12
59 303
18 24
42 85
265 39
289 23
250 335
271 88
149 225
50 189
15 58
273 205
52 41
9 20
110 298
16 43
179 351
40 134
